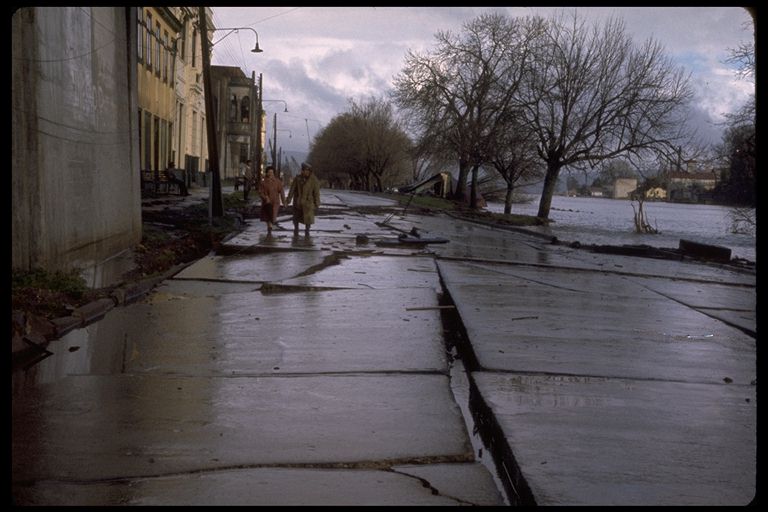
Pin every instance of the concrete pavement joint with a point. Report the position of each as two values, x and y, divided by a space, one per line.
582 269
600 377
445 373
543 283
380 465
703 311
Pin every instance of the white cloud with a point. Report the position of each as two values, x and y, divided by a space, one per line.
316 58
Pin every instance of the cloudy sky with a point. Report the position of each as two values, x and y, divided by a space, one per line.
316 58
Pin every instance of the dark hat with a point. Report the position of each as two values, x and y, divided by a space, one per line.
305 165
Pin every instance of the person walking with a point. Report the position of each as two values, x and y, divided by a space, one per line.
305 193
177 180
272 196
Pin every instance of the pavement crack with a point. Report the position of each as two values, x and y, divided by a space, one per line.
380 465
330 260
434 490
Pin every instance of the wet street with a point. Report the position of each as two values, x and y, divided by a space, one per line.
350 369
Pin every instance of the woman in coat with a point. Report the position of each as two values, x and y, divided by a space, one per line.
272 195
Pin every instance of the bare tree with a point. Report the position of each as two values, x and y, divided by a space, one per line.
592 95
363 149
514 158
456 93
385 146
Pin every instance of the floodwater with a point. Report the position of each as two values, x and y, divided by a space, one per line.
602 221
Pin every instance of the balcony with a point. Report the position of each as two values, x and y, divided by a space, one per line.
235 128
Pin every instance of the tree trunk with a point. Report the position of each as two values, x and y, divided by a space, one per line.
550 180
508 198
473 189
461 182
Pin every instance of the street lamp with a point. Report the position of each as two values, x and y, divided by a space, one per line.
286 104
306 121
256 48
215 204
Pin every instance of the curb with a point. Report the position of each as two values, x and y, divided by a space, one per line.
32 333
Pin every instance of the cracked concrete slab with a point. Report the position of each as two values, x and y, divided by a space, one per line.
591 324
141 425
256 334
255 268
267 486
375 272
596 441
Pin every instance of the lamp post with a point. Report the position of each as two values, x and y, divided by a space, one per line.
280 158
306 121
274 129
256 48
286 105
215 207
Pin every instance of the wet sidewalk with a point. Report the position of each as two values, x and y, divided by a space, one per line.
310 371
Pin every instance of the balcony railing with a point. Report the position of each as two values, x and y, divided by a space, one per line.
240 128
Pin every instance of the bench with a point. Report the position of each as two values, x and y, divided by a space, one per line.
158 182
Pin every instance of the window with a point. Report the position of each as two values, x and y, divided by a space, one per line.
158 46
147 141
148 31
245 108
140 34
166 56
183 42
233 109
169 144
141 139
194 47
194 133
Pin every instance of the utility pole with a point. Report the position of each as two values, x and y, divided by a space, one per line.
257 161
215 206
274 142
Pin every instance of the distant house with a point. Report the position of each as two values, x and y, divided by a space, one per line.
596 192
656 193
623 187
689 186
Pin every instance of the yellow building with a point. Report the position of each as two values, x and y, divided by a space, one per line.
170 88
157 29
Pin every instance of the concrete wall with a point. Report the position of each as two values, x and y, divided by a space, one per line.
76 198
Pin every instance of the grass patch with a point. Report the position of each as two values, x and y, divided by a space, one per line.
447 205
64 281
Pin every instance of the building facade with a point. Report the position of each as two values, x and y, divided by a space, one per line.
189 149
235 99
690 186
157 28
75 187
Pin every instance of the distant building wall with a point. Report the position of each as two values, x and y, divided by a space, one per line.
75 189
622 187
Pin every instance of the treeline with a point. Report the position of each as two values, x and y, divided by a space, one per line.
524 98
